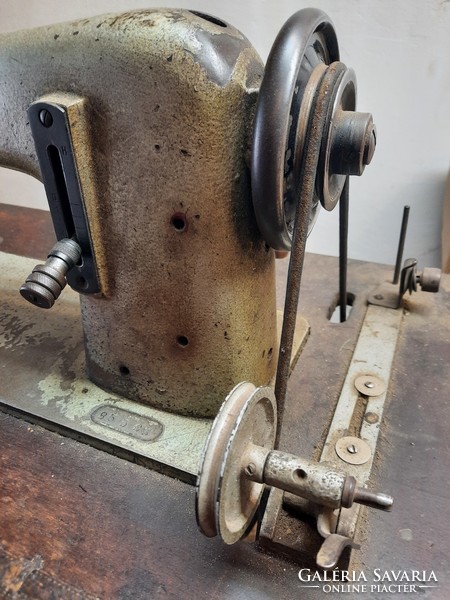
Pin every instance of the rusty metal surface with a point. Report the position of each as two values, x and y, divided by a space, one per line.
160 89
306 174
308 479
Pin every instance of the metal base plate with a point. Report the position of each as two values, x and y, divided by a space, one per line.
42 376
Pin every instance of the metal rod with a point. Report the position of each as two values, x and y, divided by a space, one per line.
307 178
290 306
401 244
343 246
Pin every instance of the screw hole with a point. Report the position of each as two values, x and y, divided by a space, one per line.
300 474
178 221
124 370
157 147
250 469
182 341
81 282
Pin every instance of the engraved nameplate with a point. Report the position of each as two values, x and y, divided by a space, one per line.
128 423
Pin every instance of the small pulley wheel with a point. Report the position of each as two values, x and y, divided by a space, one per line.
331 182
306 43
226 500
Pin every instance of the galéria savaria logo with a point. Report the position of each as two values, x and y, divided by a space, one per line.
376 581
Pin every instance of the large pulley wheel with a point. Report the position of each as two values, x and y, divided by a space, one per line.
302 73
306 41
226 501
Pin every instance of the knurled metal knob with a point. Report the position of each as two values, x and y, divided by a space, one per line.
46 282
429 279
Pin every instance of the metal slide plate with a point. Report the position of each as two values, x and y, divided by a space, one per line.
42 374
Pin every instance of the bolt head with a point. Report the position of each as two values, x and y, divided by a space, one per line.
352 449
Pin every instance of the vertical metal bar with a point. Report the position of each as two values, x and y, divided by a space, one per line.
401 244
343 245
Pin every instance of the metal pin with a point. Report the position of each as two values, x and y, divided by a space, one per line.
369 384
343 251
352 449
372 499
401 244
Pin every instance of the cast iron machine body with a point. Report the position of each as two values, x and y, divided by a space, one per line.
159 106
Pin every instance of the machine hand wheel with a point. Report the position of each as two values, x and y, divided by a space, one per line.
298 62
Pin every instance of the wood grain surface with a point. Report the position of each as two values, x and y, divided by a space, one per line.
76 522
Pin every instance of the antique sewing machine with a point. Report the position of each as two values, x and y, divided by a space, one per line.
177 167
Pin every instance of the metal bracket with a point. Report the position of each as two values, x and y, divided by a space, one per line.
57 125
373 357
390 295
358 414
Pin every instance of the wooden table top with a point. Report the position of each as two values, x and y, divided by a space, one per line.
76 522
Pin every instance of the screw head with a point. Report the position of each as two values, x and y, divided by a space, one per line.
45 118
370 385
250 469
353 450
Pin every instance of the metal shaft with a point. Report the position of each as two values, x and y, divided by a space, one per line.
314 481
401 244
372 499
45 284
343 252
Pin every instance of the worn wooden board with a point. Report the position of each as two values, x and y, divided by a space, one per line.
79 523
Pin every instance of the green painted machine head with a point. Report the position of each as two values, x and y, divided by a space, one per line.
175 170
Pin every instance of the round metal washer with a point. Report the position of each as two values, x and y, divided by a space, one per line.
227 500
370 385
305 40
353 450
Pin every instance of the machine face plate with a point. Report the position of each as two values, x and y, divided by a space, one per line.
42 366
